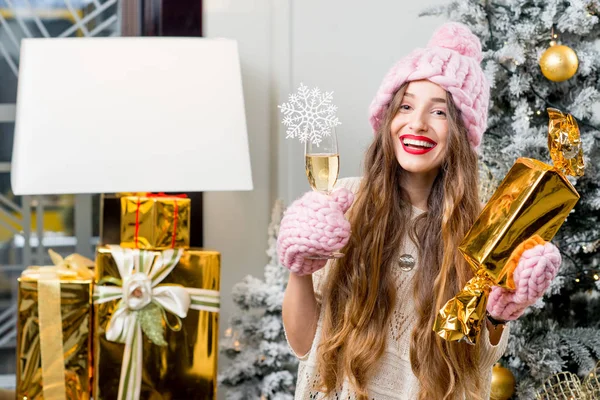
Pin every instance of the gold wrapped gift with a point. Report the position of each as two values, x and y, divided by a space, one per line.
155 221
529 206
54 344
156 323
533 199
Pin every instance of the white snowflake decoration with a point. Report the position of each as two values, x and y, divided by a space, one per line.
309 115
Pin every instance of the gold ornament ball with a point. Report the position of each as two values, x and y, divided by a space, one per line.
503 383
559 63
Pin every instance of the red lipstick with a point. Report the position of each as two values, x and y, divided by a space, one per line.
417 150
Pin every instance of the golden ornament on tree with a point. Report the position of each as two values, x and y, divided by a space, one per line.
559 62
503 383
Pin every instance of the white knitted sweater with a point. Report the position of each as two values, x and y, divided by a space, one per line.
393 378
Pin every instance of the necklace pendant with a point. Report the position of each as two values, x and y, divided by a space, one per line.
406 262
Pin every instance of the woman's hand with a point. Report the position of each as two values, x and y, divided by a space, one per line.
313 225
538 263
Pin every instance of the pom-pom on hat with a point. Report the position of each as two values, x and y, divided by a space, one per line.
452 59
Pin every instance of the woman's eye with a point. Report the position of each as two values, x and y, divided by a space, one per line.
405 107
440 113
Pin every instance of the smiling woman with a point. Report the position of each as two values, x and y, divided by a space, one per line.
370 314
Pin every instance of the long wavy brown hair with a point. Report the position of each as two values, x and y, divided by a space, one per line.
359 293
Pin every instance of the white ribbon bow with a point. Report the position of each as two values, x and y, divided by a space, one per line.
141 273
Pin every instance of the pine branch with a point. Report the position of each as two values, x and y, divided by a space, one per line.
488 13
507 8
575 264
584 241
548 103
564 109
490 131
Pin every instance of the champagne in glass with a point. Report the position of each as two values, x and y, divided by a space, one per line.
322 164
322 171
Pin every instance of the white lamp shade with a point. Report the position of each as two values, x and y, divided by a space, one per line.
106 115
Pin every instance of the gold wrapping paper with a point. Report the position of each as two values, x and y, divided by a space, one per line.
530 205
155 222
533 199
186 368
51 299
564 143
110 216
467 307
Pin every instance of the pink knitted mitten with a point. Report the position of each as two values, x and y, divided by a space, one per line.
536 268
313 225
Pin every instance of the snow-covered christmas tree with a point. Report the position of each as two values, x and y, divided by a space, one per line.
562 333
262 365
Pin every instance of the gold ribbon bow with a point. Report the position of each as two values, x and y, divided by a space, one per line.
73 267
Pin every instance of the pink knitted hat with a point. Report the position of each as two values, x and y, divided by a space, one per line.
452 60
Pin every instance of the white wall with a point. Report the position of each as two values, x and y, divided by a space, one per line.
345 46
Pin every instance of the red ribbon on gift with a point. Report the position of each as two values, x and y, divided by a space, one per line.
175 214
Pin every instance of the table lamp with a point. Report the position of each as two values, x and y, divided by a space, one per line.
107 115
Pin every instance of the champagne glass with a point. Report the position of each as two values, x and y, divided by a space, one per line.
322 162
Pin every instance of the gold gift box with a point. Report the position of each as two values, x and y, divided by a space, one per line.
186 368
531 204
75 308
533 199
155 222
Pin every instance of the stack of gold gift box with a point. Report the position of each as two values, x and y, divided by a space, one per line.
139 323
